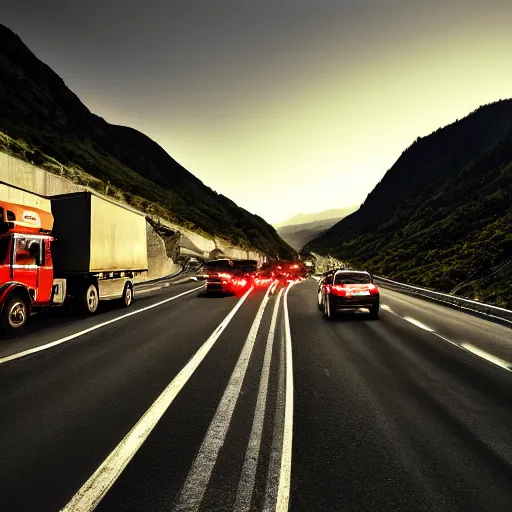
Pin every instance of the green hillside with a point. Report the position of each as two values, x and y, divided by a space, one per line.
442 215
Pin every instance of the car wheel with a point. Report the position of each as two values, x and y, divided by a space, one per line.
319 300
374 312
328 313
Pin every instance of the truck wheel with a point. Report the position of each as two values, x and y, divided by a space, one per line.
15 313
90 299
127 295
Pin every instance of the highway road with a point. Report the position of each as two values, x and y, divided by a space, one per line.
256 402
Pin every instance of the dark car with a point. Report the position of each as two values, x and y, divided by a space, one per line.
219 276
348 290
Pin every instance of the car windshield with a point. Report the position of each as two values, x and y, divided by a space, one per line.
352 278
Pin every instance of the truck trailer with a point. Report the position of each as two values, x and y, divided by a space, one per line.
73 247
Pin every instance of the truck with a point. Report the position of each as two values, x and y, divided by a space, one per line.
77 247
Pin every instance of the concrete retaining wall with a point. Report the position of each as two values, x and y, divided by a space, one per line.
24 175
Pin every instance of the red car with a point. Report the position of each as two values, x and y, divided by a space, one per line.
348 290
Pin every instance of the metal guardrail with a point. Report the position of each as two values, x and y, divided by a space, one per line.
488 311
160 279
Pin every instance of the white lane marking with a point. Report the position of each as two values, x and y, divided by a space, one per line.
92 492
283 493
46 346
385 307
417 323
274 465
199 475
470 348
485 355
248 475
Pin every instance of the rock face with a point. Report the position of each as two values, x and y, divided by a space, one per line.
159 262
43 122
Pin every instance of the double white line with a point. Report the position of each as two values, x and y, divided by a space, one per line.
277 490
277 497
248 476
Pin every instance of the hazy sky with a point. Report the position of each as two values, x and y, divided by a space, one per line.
285 106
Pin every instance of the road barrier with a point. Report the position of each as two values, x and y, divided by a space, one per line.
494 313
161 279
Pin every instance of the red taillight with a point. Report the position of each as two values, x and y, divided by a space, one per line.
339 290
373 289
223 275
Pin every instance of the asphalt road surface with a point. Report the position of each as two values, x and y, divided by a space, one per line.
256 402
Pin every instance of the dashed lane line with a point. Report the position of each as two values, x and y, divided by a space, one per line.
468 347
417 323
489 357
96 487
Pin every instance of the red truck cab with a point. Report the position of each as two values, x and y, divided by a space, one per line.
26 268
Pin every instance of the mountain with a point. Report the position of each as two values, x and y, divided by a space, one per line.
305 218
297 235
442 215
43 122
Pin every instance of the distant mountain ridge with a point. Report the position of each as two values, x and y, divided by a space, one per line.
304 218
442 213
298 235
43 122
